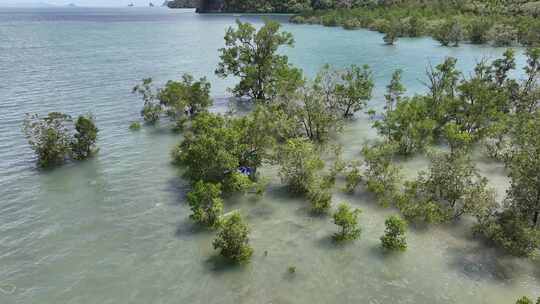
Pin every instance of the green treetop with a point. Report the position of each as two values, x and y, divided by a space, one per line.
251 56
85 137
206 203
347 219
232 239
394 234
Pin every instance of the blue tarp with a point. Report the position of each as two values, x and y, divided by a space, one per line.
245 170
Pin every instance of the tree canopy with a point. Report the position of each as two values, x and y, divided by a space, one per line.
253 57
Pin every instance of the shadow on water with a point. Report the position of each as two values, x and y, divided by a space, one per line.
188 228
261 212
163 128
361 196
328 242
418 227
217 264
177 187
479 262
379 253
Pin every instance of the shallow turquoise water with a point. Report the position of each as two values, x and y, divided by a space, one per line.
115 229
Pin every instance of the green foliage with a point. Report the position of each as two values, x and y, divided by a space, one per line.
457 139
394 234
237 182
52 139
391 32
450 188
523 195
503 35
320 198
525 300
408 125
354 89
337 167
151 108
381 176
181 3
135 126
251 56
353 178
185 98
299 164
218 146
449 32
85 137
478 32
347 219
476 21
316 109
232 239
314 115
510 231
210 151
206 203
266 6
394 91
406 121
291 269
179 100
49 137
459 111
515 226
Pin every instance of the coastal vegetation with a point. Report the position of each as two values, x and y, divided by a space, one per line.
431 177
501 23
293 126
180 101
346 219
394 234
252 56
182 3
55 137
525 300
135 126
232 239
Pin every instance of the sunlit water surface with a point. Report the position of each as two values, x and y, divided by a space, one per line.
115 229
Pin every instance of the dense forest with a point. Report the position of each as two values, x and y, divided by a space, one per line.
502 22
181 3
482 7
242 6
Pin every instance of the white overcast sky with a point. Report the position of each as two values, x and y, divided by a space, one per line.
99 3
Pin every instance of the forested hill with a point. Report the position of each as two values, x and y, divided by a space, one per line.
522 7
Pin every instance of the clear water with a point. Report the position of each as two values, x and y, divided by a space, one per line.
115 229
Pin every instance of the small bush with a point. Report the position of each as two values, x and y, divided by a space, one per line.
291 269
135 126
320 199
232 239
347 219
394 235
